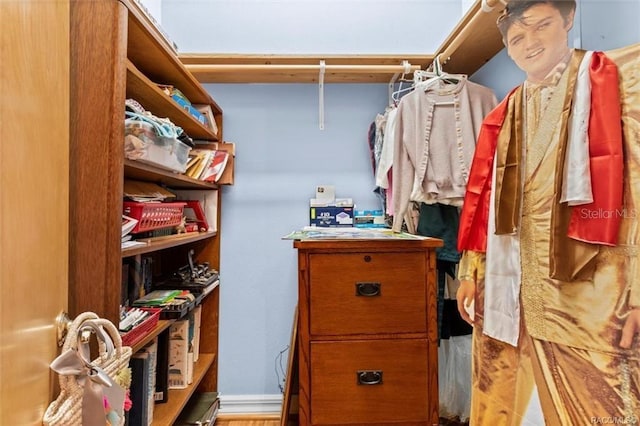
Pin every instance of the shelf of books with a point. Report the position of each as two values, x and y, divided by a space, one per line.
166 413
167 366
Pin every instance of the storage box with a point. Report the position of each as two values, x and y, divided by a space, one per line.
152 216
142 144
331 216
140 331
369 219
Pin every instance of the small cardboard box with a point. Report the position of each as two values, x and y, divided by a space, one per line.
369 219
331 216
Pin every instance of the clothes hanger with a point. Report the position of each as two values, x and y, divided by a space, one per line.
437 74
395 96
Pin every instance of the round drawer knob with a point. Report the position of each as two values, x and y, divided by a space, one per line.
367 258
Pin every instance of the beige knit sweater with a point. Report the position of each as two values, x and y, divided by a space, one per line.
435 138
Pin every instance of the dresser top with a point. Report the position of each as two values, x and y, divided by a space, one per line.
368 244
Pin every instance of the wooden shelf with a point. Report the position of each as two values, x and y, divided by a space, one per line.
153 56
153 99
161 243
218 68
473 42
470 45
168 412
159 328
116 50
140 171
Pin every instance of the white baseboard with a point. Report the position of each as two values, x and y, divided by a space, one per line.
246 404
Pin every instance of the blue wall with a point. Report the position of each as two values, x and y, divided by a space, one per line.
309 26
282 155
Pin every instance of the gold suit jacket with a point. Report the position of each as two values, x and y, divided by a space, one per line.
584 314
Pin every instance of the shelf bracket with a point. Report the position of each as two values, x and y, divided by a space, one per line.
323 67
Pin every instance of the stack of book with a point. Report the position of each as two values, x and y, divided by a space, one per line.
207 164
143 385
184 349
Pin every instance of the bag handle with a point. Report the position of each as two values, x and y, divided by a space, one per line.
83 378
71 340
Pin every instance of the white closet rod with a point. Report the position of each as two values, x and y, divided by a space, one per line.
345 69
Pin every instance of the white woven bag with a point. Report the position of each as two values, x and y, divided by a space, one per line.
86 384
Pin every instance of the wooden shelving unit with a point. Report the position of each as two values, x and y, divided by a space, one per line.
468 47
131 60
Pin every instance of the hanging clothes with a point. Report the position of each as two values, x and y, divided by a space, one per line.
383 171
434 138
435 133
380 130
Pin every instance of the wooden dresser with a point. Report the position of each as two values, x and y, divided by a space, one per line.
367 332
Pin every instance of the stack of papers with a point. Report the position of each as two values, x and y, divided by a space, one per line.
157 298
348 233
145 191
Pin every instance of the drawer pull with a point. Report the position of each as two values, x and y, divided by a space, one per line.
368 289
369 377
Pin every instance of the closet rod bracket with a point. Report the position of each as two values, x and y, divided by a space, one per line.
321 73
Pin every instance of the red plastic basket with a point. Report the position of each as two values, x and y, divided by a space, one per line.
152 216
137 333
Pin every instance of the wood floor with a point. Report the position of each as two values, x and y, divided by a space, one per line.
262 421
248 420
228 422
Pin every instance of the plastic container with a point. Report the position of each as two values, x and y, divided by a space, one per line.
138 333
141 143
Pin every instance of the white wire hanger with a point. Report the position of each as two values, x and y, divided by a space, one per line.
393 100
426 79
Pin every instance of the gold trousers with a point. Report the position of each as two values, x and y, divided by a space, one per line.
576 387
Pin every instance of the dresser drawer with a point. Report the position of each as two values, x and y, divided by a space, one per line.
369 381
367 293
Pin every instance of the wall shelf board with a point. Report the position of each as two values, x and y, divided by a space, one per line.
161 243
255 68
473 42
140 171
